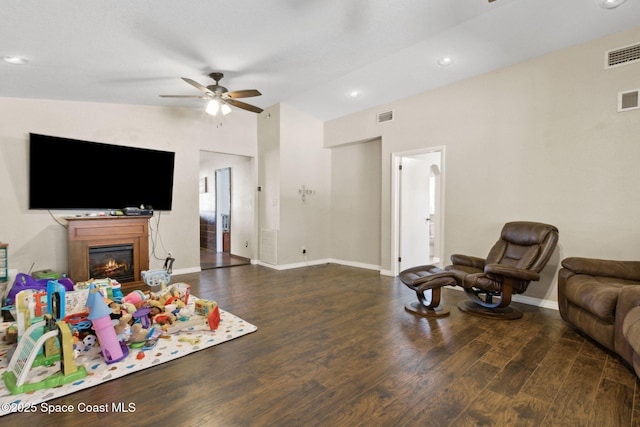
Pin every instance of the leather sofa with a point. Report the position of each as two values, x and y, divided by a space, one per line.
601 299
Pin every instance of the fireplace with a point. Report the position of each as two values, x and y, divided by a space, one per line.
114 262
116 247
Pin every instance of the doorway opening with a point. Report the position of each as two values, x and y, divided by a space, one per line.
225 210
418 220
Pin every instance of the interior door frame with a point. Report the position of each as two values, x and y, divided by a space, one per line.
223 191
396 161
245 198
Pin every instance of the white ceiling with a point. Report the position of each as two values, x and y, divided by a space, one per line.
307 53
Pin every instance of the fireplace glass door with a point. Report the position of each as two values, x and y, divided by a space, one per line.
114 261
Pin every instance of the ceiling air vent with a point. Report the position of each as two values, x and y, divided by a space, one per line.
387 116
622 56
628 100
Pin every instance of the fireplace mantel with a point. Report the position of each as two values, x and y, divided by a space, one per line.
85 232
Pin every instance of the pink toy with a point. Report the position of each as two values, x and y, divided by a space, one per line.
134 297
99 314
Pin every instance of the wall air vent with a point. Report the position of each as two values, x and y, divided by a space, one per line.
387 116
628 100
622 56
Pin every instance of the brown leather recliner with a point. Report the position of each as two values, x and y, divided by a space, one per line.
517 258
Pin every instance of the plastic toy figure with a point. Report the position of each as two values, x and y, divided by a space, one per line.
100 316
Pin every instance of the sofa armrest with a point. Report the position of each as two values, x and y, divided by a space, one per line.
512 272
628 299
628 270
470 261
628 303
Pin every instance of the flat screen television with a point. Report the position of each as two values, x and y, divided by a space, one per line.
73 174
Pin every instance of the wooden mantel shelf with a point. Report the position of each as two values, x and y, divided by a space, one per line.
86 232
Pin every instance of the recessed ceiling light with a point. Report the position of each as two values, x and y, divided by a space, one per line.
14 60
354 94
444 61
611 4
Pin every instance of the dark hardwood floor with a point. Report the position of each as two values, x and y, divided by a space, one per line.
335 347
213 259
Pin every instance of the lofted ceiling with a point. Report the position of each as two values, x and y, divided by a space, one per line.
311 54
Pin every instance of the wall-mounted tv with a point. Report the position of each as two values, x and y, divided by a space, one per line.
73 174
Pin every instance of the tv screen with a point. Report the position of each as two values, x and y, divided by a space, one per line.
72 174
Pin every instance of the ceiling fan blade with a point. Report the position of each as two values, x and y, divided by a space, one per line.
243 93
244 106
184 96
196 85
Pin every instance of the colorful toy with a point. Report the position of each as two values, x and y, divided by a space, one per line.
110 288
192 341
183 291
24 281
135 297
123 328
204 306
156 279
99 314
78 322
56 299
213 318
141 316
27 351
161 317
149 343
210 310
45 274
30 308
177 291
138 335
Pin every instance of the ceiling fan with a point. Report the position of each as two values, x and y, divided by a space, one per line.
220 97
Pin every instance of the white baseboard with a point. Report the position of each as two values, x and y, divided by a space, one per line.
320 262
295 264
178 271
544 303
355 264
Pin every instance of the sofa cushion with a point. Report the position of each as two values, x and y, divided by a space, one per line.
597 295
631 329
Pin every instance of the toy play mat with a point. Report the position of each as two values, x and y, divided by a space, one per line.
181 342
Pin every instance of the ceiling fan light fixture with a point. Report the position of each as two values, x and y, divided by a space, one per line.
611 4
213 107
220 99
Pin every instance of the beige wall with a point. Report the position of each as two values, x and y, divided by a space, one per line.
355 203
291 156
304 162
37 237
541 141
